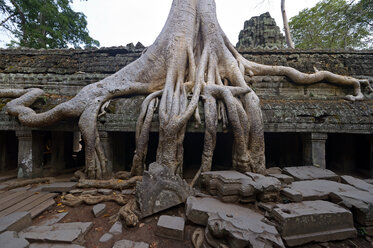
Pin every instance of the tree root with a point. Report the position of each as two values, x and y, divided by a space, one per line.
117 184
124 175
127 213
74 201
198 237
28 182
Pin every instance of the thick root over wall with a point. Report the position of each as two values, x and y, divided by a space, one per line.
191 59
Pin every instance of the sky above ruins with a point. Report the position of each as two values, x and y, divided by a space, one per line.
119 22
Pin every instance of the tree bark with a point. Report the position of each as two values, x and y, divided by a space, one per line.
289 41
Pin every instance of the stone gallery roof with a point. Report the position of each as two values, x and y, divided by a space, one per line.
287 107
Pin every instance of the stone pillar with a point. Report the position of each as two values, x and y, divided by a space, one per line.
314 149
107 145
30 154
61 149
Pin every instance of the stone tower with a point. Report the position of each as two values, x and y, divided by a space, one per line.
261 31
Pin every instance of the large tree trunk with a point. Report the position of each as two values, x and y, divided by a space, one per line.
289 41
191 59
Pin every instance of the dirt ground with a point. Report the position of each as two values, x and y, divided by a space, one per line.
145 231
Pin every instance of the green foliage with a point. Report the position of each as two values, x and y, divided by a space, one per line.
334 24
45 24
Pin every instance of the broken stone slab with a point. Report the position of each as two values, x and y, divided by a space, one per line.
239 232
233 186
285 179
313 221
160 189
98 209
229 186
315 189
302 173
15 222
106 237
360 203
11 240
293 195
130 244
53 245
198 209
69 236
58 233
53 219
116 228
369 180
59 187
357 183
105 191
170 227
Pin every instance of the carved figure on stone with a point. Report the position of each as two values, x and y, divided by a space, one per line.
191 59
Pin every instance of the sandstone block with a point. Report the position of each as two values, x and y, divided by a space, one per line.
10 240
15 222
313 221
171 227
59 187
310 173
98 209
130 244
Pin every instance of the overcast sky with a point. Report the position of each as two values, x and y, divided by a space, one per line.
119 22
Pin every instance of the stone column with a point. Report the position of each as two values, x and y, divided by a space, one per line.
314 149
107 145
30 154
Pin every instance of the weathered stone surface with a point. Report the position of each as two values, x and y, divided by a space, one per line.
116 228
261 31
76 191
315 189
229 186
171 227
310 173
53 219
130 244
69 235
98 209
198 209
240 232
292 195
285 179
357 183
53 245
15 222
106 237
128 191
308 221
360 203
370 180
232 186
105 191
59 187
10 240
160 189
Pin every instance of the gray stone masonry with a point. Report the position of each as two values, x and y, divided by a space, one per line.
285 179
53 219
15 222
59 187
314 149
11 240
160 189
170 227
130 244
198 209
106 237
243 231
357 183
98 209
313 221
310 173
